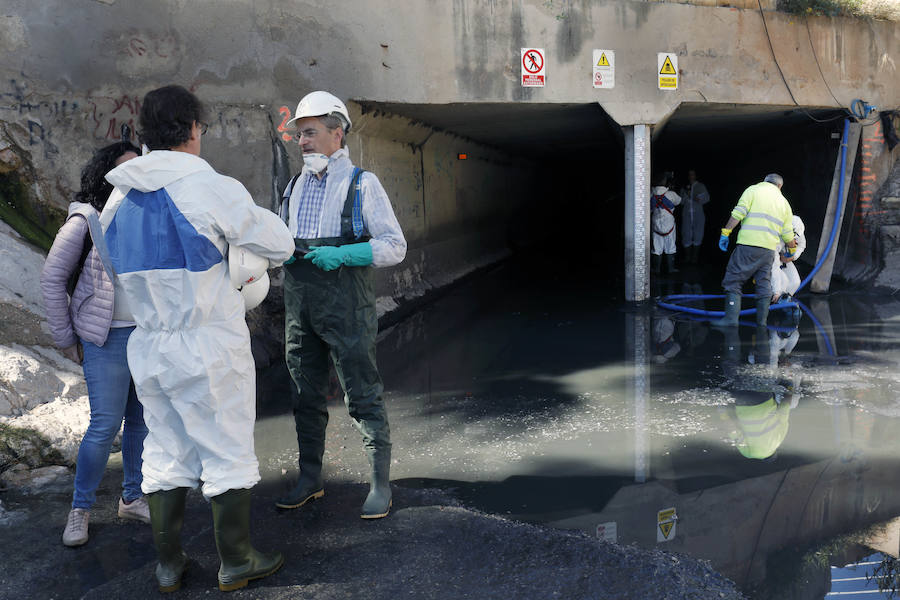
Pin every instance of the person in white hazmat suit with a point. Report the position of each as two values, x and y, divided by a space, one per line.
785 278
662 219
694 196
168 224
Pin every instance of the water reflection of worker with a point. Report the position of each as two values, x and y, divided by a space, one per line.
665 346
762 419
762 400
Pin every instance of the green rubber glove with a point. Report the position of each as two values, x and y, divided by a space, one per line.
329 258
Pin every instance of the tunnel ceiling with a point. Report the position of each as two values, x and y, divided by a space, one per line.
720 123
522 129
569 130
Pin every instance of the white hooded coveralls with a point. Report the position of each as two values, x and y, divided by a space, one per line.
785 278
693 221
662 219
167 226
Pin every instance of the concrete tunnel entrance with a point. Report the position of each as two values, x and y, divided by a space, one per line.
574 159
733 146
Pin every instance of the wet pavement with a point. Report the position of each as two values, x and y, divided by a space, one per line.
549 401
545 400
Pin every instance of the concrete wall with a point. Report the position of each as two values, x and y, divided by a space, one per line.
73 71
453 212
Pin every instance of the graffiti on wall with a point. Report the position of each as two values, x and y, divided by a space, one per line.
286 115
100 115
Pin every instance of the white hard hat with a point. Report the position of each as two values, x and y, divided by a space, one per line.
244 267
320 104
254 293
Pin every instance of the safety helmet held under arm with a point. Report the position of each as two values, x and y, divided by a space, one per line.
247 272
320 104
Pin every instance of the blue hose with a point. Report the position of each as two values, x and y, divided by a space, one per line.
667 302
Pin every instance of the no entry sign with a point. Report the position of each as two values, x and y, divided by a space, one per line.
533 67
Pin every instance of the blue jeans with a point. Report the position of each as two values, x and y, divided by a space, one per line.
112 398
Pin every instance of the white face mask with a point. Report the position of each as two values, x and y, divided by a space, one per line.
315 162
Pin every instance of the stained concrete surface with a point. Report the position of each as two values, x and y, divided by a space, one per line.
516 395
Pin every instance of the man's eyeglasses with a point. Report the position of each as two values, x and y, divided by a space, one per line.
305 133
204 127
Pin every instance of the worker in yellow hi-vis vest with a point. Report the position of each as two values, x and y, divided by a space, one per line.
765 217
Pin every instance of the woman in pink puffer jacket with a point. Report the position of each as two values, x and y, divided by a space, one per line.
88 331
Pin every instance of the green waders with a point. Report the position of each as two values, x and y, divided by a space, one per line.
332 313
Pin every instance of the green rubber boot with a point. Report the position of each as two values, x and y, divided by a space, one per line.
166 519
241 563
762 310
378 502
311 442
308 488
732 311
655 262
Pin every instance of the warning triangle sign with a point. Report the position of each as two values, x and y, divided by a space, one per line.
666 528
603 62
667 68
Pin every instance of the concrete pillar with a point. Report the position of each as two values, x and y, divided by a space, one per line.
637 212
637 349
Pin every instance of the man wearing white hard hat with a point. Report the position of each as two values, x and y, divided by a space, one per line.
167 226
343 226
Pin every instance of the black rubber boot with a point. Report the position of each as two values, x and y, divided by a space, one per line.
762 310
166 519
670 263
655 262
378 502
732 311
241 563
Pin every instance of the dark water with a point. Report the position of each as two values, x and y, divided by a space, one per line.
546 399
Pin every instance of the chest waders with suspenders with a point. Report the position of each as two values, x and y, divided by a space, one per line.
332 313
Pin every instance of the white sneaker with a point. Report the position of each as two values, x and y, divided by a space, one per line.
76 532
137 510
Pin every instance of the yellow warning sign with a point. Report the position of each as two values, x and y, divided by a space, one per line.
603 62
667 68
666 528
666 521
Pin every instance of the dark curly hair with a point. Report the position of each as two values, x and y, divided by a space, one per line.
167 115
94 188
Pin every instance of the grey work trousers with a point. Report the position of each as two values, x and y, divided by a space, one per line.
747 262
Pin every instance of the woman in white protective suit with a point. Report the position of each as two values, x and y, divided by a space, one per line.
168 225
785 278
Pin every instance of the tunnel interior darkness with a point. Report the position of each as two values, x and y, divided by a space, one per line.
575 211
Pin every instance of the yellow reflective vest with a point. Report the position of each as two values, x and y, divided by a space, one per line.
765 216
